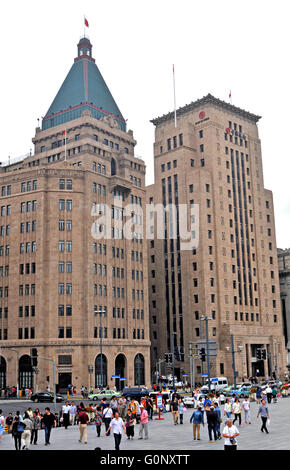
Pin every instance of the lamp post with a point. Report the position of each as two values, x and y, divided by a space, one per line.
101 313
17 369
206 319
233 352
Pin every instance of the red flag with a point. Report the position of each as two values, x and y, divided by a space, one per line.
86 23
230 94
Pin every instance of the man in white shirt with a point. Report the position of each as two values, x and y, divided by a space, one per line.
117 425
65 414
230 434
246 408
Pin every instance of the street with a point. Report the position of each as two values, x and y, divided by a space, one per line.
163 435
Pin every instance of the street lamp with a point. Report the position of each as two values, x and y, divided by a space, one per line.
233 352
206 319
17 369
101 313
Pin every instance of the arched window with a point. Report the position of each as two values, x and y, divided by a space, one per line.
25 372
139 370
120 369
101 374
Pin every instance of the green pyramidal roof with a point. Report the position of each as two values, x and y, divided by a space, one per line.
83 88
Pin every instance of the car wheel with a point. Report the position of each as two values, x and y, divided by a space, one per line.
95 399
128 398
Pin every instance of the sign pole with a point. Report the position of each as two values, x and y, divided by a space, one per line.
159 404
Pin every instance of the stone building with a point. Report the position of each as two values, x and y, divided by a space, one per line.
211 162
63 254
284 275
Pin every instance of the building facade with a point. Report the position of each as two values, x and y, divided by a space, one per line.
71 283
284 275
211 162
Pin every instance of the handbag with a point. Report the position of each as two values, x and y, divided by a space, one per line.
184 409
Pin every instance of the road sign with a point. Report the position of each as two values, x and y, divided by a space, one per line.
204 375
115 376
159 402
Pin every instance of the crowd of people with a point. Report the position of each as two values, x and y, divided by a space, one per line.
120 417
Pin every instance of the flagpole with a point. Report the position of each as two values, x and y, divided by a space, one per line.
174 96
84 26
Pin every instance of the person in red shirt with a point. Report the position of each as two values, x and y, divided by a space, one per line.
83 420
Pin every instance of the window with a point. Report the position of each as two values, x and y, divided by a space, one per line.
201 148
61 184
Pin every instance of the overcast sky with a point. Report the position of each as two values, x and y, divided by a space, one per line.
216 45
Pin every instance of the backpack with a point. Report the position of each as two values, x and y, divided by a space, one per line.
20 427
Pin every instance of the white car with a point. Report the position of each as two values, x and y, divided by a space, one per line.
189 401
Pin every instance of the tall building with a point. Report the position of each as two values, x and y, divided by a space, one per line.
284 275
71 283
212 163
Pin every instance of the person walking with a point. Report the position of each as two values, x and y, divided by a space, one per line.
130 422
36 426
180 410
230 433
65 414
237 411
2 424
197 419
143 423
26 435
212 417
107 417
264 412
268 392
219 420
149 406
49 421
174 410
274 394
98 420
122 403
117 426
9 422
83 425
114 405
133 407
17 430
72 413
247 412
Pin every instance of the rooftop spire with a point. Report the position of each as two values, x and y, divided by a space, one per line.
84 49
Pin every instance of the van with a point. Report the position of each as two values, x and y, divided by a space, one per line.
218 383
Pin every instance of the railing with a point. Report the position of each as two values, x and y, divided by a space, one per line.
12 161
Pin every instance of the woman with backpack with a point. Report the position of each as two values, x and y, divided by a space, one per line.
17 430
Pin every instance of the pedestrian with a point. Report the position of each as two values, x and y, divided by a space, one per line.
17 430
247 412
230 433
2 424
114 404
149 406
130 422
65 414
133 407
180 410
36 426
174 410
264 412
274 394
30 413
49 421
26 435
237 411
19 415
122 403
83 420
72 413
212 416
219 420
258 395
268 392
98 420
117 426
9 422
143 423
228 408
197 419
107 417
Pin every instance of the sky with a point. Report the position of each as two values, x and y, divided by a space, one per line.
215 46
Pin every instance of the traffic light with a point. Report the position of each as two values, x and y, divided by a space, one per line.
202 354
168 358
259 353
264 354
33 356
